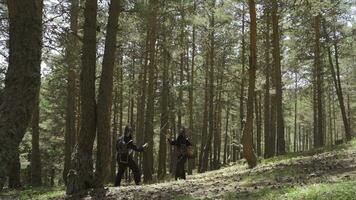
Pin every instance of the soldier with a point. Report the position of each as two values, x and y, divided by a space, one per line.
125 147
182 143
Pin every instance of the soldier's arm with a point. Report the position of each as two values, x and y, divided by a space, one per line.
172 142
188 142
135 147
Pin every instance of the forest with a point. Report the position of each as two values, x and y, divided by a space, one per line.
205 99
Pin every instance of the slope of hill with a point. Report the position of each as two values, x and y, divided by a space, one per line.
328 173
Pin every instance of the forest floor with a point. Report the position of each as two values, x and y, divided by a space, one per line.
327 173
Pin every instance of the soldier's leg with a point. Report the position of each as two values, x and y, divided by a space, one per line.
184 160
177 173
120 173
180 168
135 170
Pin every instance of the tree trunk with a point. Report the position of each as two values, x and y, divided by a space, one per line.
337 83
114 134
258 122
141 100
318 135
295 108
269 144
22 81
247 139
172 123
281 149
205 119
226 139
242 87
207 148
71 62
162 154
148 137
105 97
273 114
84 161
15 172
192 162
35 152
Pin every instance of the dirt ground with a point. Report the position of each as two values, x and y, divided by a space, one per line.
237 179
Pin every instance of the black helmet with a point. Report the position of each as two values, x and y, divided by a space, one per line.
182 131
128 130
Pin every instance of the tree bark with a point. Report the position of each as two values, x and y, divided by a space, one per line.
205 119
207 148
105 97
318 134
335 74
226 138
148 137
269 144
36 179
242 87
162 154
83 162
192 162
258 123
114 134
71 62
22 81
247 139
281 149
15 172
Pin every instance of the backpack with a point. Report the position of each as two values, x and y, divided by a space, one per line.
185 150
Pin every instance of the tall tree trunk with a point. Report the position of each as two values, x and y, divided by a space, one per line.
114 134
269 144
273 113
192 162
148 137
22 81
205 119
226 138
247 139
141 100
207 148
162 154
84 160
105 97
181 73
242 87
172 123
337 83
295 108
71 62
281 149
318 135
258 123
36 179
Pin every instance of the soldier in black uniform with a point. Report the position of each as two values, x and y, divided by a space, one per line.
125 147
181 143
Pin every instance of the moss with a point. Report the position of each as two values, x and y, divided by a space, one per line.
184 197
38 193
328 191
351 145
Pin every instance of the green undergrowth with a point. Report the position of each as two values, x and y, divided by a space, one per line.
343 190
351 145
36 193
273 174
325 191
